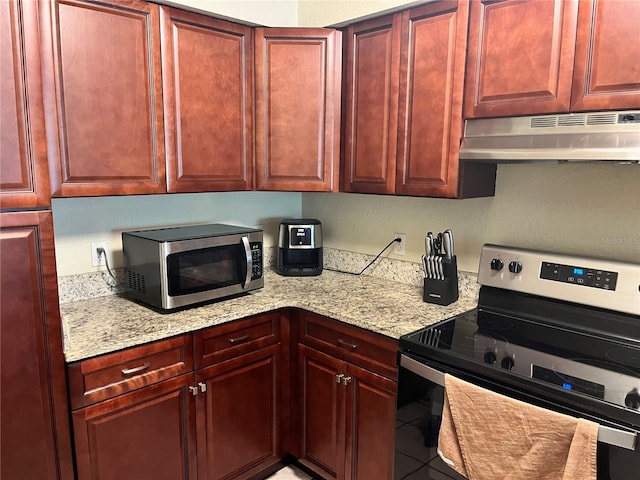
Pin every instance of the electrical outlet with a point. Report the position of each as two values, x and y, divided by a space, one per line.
98 260
398 247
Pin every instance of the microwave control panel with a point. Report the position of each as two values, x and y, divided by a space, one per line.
256 260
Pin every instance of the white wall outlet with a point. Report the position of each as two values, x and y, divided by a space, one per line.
398 247
98 260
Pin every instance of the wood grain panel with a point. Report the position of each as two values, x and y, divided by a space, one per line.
208 89
297 109
607 64
24 177
33 399
372 67
105 92
520 57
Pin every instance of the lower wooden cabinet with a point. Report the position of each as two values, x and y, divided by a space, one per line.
35 441
346 388
146 434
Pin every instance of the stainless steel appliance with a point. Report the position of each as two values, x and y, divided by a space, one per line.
299 247
176 267
609 136
558 331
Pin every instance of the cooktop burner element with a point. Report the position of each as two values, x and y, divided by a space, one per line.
564 327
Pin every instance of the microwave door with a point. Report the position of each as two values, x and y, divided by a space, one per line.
249 262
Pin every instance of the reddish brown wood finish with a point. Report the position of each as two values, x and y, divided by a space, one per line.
322 412
371 420
297 109
607 64
238 416
35 440
148 434
230 340
103 97
107 376
366 349
520 57
24 174
434 41
208 108
372 68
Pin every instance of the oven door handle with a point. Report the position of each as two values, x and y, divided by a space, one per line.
608 435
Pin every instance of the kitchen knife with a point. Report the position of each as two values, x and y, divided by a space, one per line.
427 257
447 244
452 249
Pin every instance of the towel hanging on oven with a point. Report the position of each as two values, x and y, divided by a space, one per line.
486 436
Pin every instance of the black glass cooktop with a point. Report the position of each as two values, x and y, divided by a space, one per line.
564 352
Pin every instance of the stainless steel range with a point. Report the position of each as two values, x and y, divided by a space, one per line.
558 331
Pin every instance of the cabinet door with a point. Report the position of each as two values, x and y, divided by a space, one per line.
431 89
322 422
24 177
103 97
371 422
208 108
147 435
238 416
520 57
607 65
372 68
297 109
35 440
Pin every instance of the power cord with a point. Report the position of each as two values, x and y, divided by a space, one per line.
398 240
100 251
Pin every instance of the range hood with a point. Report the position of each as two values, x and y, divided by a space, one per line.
574 137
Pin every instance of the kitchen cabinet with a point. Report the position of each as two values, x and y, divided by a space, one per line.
134 413
297 114
533 57
103 97
24 174
208 108
606 71
241 368
35 438
404 137
346 387
205 405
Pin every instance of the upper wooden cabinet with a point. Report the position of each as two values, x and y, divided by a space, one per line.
551 57
103 97
403 105
208 107
36 439
607 64
24 175
297 108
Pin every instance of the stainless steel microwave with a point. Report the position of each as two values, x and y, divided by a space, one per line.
181 266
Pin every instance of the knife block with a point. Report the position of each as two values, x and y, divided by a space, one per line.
443 292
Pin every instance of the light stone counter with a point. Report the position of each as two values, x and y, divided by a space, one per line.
106 324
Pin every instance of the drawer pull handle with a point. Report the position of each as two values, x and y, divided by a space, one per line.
234 341
345 344
132 371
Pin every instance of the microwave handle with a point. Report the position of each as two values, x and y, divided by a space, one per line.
249 259
608 435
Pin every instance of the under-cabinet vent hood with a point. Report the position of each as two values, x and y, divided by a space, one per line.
573 137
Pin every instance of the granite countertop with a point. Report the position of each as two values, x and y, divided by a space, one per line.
106 324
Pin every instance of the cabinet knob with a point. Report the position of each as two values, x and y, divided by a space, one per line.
203 387
193 390
339 377
346 380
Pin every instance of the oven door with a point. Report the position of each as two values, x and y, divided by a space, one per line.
420 402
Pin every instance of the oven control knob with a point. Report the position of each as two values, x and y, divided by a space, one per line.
507 363
496 264
632 400
515 267
490 357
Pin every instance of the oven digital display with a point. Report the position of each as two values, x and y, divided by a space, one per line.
568 382
588 277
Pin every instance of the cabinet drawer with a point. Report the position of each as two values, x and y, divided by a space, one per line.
222 342
366 349
97 379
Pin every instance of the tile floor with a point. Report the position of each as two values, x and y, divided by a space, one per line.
289 473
